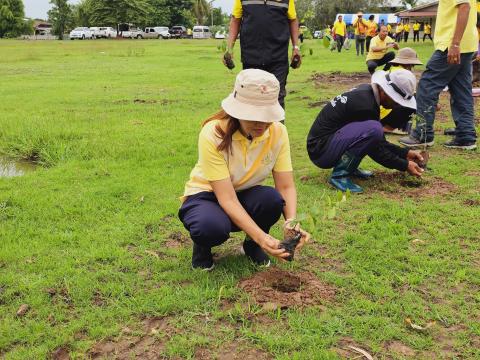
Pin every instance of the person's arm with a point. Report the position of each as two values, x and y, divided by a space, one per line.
233 31
228 200
285 185
395 157
294 37
462 19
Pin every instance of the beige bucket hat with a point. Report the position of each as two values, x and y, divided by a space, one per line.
406 56
255 97
400 85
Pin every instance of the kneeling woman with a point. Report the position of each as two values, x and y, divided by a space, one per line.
238 148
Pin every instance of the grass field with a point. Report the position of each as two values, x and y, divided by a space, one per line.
91 243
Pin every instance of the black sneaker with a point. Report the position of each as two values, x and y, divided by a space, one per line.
202 258
465 145
255 253
412 142
449 132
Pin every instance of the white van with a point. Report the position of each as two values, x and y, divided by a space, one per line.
201 32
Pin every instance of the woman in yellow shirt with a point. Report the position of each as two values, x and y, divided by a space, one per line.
238 148
427 31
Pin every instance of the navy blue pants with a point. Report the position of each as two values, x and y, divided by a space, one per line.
210 226
358 138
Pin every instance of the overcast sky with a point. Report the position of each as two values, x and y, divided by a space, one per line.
39 8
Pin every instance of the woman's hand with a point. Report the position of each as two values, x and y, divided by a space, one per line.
305 235
270 245
413 155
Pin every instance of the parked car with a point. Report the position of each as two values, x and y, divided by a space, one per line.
95 32
133 33
157 32
178 32
163 31
81 33
106 32
220 35
201 32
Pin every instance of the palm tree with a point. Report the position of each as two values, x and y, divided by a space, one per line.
201 9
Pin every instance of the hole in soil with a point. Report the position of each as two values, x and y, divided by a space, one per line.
12 168
287 284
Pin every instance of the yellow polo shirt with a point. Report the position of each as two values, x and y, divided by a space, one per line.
360 26
446 21
377 42
340 28
427 29
372 28
249 163
416 27
389 28
406 28
399 29
237 11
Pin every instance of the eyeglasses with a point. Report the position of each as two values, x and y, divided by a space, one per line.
399 91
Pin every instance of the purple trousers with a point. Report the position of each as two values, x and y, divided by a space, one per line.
358 138
210 226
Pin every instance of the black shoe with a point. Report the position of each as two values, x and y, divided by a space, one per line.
465 145
413 142
202 258
255 253
449 131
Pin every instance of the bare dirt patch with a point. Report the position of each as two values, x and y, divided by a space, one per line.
61 353
149 345
176 240
319 103
286 289
235 350
399 348
471 202
399 185
338 78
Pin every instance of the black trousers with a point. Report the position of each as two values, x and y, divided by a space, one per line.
405 36
425 35
416 35
367 43
340 41
373 64
280 70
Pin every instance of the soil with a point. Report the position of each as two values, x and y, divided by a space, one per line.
287 289
232 351
339 78
399 348
290 242
319 103
426 156
176 240
150 345
343 350
471 202
399 185
61 353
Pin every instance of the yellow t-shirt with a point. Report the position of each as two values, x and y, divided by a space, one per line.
249 163
372 28
360 26
399 29
416 27
427 29
340 28
377 42
406 28
389 28
446 21
237 11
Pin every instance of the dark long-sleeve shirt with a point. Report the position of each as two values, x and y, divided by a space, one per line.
356 105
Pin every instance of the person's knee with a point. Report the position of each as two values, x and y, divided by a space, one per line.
269 199
374 130
371 65
208 232
389 56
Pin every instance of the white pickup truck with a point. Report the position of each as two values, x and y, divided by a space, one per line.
133 33
105 32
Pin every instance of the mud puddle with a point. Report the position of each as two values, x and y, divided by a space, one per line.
12 168
284 289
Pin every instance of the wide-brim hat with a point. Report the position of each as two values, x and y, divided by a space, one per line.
406 56
399 85
255 97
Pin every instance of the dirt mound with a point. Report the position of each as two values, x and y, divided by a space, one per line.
339 78
176 240
286 289
150 345
400 185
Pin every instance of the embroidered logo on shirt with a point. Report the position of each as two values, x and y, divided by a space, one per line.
342 99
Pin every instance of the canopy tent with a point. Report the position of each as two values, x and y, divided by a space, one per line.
387 18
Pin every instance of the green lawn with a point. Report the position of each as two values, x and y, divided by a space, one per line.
91 243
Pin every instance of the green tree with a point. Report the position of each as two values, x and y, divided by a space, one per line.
82 13
114 12
12 16
160 14
201 10
61 16
219 18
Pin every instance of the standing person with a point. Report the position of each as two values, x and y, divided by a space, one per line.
360 26
371 31
379 54
300 35
339 31
348 128
456 39
427 31
416 31
265 29
398 32
389 29
406 31
238 148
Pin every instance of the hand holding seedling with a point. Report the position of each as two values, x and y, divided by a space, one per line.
414 156
414 169
272 247
294 238
228 60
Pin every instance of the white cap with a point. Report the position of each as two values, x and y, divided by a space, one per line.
400 85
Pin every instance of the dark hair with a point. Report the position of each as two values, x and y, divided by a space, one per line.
226 135
371 17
